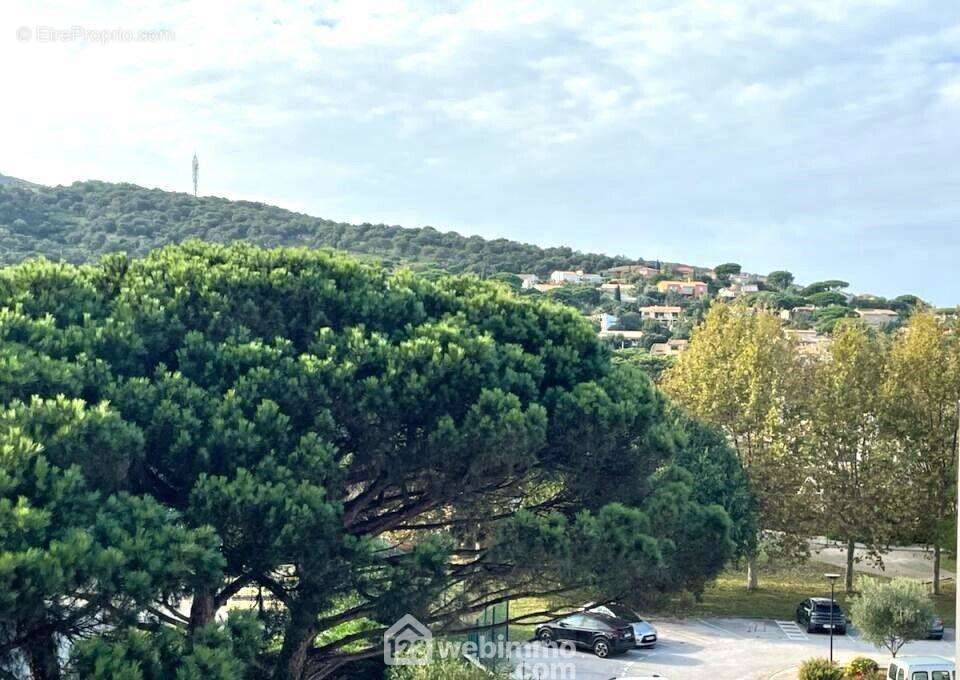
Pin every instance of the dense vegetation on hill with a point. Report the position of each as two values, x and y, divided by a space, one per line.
80 222
6 180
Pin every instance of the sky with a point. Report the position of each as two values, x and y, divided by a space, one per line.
817 136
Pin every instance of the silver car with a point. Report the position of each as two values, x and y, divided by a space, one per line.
644 634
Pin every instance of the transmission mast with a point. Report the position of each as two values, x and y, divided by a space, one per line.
196 172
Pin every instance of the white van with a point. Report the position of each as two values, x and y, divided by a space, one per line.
922 668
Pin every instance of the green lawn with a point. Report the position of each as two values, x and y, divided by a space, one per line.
781 590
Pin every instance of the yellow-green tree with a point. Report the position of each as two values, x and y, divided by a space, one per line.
852 466
922 388
742 375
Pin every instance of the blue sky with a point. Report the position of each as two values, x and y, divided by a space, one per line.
819 136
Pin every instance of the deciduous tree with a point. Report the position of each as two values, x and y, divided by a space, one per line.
853 467
740 374
922 389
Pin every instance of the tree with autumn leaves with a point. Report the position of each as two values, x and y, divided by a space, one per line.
742 375
353 443
857 442
922 391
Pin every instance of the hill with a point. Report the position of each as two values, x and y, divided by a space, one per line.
85 220
6 180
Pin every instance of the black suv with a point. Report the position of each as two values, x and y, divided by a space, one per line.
822 614
604 635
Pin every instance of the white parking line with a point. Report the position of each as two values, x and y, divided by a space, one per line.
792 630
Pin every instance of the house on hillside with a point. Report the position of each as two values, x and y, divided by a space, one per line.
579 276
746 277
877 318
628 292
608 321
528 280
670 348
665 314
637 269
685 288
799 313
809 342
622 338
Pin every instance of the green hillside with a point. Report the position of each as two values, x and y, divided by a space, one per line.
82 221
6 180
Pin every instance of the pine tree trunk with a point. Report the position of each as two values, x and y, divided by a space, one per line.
202 610
936 569
752 576
42 658
298 638
851 551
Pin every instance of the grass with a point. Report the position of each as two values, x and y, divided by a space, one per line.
781 589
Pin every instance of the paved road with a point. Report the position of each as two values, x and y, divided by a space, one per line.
913 561
716 649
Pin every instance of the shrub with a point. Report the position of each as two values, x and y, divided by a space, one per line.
891 614
862 668
819 669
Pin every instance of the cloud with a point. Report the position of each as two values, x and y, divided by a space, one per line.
687 127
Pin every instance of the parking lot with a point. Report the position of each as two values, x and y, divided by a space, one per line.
716 649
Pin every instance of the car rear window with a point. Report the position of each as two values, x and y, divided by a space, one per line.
940 675
825 607
624 613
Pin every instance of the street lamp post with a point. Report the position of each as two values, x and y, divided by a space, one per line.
833 580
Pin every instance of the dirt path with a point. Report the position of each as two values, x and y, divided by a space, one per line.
912 561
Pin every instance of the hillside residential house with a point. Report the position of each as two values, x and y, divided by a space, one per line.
579 276
746 277
670 348
666 315
684 270
639 269
727 293
623 338
747 288
809 342
628 292
685 288
608 321
877 317
528 280
804 312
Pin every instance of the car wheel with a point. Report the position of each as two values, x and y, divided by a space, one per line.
545 637
601 648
